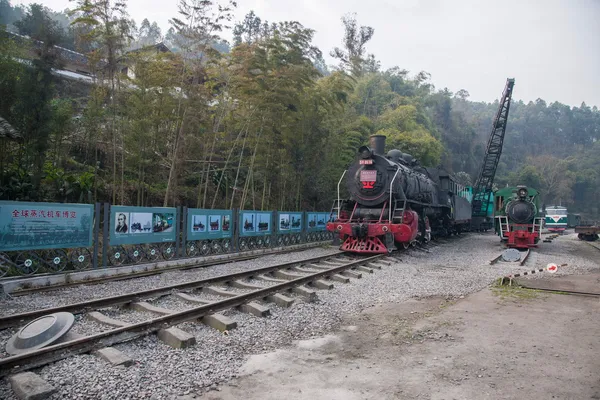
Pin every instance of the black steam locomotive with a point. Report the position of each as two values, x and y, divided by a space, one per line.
395 201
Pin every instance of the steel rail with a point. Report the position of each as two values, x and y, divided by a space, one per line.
495 260
524 259
46 355
154 271
78 308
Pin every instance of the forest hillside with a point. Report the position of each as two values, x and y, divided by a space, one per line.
259 123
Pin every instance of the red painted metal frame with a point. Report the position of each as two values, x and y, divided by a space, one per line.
376 231
367 245
523 238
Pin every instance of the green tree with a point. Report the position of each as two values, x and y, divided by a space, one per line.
352 54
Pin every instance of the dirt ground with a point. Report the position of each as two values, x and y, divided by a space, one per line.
499 343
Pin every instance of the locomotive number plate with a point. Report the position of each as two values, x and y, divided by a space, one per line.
368 175
365 162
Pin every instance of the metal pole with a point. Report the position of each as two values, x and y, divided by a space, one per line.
184 218
96 234
236 230
338 188
105 235
391 183
177 230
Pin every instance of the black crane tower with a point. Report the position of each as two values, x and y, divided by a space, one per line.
483 186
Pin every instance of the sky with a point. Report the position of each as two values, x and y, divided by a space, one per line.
550 47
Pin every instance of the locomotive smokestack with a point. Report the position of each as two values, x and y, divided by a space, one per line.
377 143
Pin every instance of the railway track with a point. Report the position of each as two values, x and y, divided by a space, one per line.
594 245
141 274
278 279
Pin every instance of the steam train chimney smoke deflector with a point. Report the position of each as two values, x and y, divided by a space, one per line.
377 144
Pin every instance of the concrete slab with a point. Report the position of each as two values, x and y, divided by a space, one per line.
318 266
145 306
270 279
219 292
364 269
281 300
374 265
351 274
30 386
176 338
103 319
245 285
302 270
321 284
255 309
219 322
286 275
114 356
339 278
191 299
305 292
588 283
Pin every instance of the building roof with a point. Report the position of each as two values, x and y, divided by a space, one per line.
7 131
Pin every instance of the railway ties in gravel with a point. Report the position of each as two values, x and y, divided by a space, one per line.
269 285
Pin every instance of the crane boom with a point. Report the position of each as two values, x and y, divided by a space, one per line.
483 185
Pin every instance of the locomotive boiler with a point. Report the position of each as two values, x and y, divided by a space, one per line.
393 201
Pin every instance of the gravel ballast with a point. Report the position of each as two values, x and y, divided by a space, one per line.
456 267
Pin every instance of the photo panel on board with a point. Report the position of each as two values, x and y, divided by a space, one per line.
121 223
140 223
163 222
284 222
214 223
199 223
249 222
226 223
264 220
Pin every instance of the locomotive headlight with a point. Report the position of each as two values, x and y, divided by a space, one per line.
365 152
522 192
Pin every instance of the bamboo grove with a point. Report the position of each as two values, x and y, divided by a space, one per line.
263 124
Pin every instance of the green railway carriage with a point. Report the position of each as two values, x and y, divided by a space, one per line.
556 218
516 216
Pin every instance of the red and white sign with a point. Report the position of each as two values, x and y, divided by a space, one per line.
368 175
366 162
552 268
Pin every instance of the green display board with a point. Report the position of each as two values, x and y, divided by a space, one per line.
289 222
33 226
316 221
139 225
255 223
208 224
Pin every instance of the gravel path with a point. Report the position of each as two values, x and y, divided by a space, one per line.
455 268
